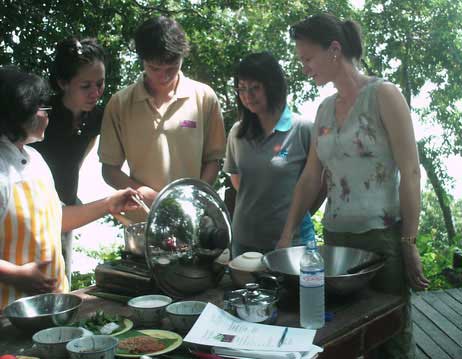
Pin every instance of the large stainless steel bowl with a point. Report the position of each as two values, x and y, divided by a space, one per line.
43 311
337 262
188 228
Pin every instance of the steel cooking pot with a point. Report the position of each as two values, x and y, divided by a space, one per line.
134 237
252 304
347 270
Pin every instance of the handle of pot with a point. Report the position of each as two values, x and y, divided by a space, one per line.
274 282
122 219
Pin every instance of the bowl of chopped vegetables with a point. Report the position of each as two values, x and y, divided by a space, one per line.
102 323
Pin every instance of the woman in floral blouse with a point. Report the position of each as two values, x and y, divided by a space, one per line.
364 147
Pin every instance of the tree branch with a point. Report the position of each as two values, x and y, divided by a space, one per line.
165 11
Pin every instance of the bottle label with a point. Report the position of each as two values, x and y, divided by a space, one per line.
311 279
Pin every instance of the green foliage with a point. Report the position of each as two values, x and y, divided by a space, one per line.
435 248
82 280
431 219
103 254
318 228
435 258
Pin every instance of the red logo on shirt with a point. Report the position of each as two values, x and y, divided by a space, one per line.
188 124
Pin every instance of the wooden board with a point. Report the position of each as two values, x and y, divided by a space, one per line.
437 318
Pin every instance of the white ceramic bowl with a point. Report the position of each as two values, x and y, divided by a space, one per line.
148 310
183 314
51 342
93 347
249 262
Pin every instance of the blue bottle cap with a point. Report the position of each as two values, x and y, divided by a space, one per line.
328 316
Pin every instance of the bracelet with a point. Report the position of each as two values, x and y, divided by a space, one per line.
409 240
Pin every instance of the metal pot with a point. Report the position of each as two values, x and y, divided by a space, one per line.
347 270
252 304
135 238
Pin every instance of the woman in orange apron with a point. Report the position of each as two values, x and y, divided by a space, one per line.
31 216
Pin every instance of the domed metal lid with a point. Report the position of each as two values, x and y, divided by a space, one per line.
188 227
251 295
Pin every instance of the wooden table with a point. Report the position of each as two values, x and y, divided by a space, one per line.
359 323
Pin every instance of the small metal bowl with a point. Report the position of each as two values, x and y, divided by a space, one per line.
93 347
51 342
43 311
184 314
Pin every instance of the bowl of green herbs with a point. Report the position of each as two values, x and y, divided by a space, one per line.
102 323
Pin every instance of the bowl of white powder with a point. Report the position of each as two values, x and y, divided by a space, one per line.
148 310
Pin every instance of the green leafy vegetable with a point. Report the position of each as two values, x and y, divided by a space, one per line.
98 320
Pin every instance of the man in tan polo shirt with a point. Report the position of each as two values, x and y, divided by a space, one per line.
166 126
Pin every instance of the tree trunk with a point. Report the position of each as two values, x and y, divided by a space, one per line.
440 192
427 164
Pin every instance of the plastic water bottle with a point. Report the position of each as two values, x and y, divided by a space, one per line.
312 309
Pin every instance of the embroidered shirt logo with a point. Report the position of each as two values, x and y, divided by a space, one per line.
188 124
324 131
283 154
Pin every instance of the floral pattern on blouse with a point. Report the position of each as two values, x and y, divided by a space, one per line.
361 175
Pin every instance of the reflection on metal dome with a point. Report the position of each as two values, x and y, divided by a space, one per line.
188 227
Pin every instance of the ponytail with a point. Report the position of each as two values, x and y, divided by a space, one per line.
352 33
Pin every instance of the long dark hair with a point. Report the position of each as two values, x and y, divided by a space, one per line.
265 69
322 29
21 95
70 55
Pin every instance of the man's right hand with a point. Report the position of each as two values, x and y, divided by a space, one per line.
148 194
